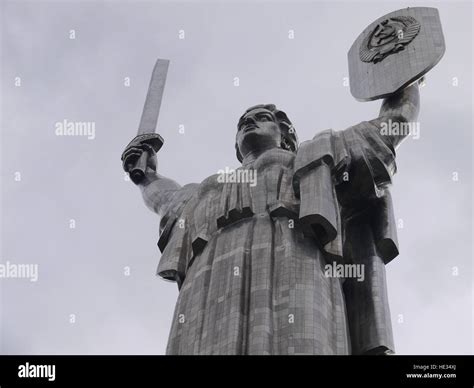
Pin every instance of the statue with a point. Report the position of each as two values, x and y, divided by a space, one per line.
261 255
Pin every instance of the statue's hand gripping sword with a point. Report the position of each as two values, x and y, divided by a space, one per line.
146 130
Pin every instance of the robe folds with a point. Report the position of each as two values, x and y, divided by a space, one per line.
249 259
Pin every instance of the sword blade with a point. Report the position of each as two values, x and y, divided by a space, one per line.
151 109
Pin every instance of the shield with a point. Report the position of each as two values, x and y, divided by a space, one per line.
394 51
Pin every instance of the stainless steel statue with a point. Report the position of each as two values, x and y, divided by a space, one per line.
287 254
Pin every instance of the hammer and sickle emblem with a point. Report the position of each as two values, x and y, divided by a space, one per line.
388 37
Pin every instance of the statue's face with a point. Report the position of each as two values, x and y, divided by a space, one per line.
258 130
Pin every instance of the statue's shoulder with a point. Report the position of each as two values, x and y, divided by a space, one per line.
209 184
323 143
328 147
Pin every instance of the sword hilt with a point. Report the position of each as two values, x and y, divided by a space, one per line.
137 171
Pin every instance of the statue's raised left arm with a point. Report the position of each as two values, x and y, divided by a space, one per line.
400 108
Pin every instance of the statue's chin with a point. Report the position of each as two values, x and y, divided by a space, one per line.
256 142
256 139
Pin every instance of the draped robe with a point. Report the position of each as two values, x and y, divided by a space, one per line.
250 260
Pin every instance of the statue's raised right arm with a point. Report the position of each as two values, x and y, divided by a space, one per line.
157 190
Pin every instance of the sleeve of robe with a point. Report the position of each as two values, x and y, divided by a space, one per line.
174 242
342 179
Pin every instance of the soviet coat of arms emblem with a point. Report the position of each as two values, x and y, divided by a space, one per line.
388 37
394 51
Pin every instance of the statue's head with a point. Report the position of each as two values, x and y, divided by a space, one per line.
262 127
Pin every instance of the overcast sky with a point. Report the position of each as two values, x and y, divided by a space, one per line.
82 270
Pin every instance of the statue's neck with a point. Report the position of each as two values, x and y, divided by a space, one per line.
252 156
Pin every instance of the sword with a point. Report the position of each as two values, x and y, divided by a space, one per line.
146 129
